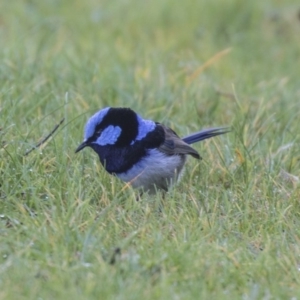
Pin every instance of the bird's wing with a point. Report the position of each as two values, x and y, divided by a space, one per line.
174 145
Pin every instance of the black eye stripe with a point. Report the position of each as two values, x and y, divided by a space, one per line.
97 133
99 128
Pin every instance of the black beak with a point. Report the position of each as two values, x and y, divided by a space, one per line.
81 146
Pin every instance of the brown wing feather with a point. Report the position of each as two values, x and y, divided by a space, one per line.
174 145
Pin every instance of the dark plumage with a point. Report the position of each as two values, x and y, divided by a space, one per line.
147 154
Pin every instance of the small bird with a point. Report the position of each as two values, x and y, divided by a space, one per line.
147 154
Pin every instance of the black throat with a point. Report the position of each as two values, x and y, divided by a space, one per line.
119 159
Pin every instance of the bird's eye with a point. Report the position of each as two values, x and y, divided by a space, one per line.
98 132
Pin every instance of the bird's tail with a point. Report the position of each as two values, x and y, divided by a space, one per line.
205 134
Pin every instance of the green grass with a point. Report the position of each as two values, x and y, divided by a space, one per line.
229 229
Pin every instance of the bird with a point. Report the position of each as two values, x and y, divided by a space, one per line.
146 154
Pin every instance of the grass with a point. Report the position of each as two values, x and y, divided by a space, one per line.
230 229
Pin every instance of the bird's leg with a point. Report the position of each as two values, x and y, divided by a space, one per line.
139 196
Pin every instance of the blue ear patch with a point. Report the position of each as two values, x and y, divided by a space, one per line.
109 135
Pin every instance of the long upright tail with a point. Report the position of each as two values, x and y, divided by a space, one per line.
205 134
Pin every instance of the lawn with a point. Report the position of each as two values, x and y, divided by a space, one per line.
230 229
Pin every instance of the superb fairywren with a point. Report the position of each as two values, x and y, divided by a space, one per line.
145 153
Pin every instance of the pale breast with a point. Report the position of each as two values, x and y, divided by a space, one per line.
155 171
